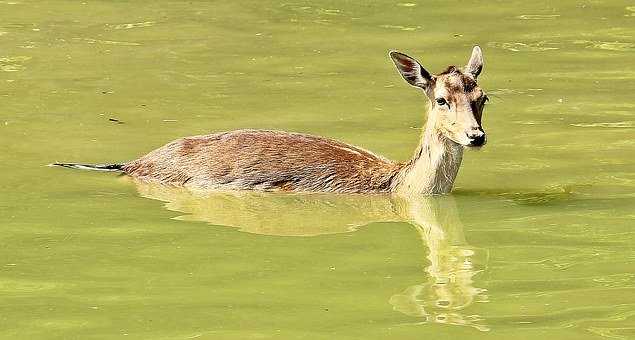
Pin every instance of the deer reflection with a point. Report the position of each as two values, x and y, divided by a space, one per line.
453 264
444 298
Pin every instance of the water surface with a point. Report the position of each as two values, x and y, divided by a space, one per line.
536 240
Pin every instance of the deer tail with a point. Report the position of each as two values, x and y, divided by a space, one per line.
94 167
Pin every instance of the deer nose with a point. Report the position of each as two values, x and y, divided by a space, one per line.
477 137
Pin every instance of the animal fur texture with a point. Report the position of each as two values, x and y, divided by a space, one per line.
265 160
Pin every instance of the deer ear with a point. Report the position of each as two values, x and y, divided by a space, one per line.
411 70
475 65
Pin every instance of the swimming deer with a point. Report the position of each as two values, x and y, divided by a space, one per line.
294 162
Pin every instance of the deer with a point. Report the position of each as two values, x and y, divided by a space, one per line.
267 160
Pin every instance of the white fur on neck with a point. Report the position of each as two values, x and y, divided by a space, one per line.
434 166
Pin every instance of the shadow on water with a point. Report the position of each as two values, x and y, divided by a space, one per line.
443 298
549 196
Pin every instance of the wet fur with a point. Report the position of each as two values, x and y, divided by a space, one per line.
265 160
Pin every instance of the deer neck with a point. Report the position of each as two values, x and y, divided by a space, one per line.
434 166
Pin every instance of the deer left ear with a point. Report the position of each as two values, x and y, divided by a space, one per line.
411 70
475 65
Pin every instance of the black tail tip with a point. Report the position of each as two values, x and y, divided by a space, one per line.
96 167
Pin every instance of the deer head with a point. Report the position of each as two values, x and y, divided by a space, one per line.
456 99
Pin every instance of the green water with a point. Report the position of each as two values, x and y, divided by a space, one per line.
536 241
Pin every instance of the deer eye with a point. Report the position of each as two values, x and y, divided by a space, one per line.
441 101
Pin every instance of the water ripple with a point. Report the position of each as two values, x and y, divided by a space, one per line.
537 16
13 64
621 125
524 47
134 25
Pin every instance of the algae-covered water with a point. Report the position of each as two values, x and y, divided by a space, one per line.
536 241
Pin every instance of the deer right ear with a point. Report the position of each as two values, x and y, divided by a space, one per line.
411 70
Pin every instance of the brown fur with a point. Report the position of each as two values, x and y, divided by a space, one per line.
265 160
